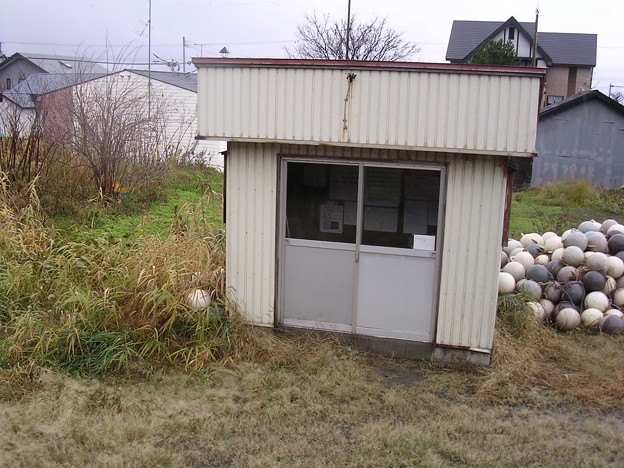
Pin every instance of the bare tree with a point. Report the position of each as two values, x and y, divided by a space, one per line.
115 128
617 96
324 38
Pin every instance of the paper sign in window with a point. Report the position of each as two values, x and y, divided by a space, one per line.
331 218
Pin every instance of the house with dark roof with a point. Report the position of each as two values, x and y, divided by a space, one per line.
569 57
19 66
581 138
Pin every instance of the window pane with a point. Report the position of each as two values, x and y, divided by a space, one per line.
321 202
400 207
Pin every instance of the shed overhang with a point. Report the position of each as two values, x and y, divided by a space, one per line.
400 105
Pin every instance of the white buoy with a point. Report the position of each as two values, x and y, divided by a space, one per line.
506 283
542 260
532 238
548 307
576 239
587 226
598 262
573 255
616 312
557 254
615 268
618 297
590 318
552 244
548 235
568 319
515 269
511 245
536 309
504 259
597 300
525 258
610 286
615 229
198 299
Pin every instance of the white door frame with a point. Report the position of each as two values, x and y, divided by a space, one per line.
361 164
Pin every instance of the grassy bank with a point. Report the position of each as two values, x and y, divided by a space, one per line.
561 206
102 293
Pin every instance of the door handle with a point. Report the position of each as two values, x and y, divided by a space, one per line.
357 256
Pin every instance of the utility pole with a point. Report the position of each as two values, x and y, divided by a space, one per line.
149 62
535 40
348 28
183 54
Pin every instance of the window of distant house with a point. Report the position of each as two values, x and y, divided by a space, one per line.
9 84
21 80
512 33
553 99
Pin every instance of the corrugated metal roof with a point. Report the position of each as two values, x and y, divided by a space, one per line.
186 81
61 63
365 65
580 98
562 48
24 93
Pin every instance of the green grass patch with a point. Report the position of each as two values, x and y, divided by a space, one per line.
560 206
150 213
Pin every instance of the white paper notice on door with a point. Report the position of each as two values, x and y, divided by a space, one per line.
331 218
380 219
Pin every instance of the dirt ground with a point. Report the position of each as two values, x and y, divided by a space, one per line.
340 408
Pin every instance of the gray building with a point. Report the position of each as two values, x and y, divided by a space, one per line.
15 69
581 138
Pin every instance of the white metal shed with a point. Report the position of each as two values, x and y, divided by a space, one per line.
368 197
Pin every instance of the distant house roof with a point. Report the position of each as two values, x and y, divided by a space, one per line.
578 99
25 93
56 63
557 48
187 81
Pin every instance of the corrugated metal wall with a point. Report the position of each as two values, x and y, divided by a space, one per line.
439 111
472 232
582 142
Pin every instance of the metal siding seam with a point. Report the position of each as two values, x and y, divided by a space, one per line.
503 114
411 129
393 102
271 226
447 290
463 250
489 246
421 109
464 111
433 106
480 259
513 114
493 113
451 117
473 109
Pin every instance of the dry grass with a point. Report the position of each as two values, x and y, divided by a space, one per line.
304 402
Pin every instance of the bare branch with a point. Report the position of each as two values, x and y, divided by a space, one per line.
322 38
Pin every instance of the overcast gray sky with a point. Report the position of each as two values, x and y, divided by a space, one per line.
262 28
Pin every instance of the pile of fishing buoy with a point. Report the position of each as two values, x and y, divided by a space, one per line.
575 280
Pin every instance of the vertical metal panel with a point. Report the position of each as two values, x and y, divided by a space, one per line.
403 109
471 240
473 224
251 224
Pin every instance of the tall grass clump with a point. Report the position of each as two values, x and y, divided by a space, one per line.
531 361
96 305
571 193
